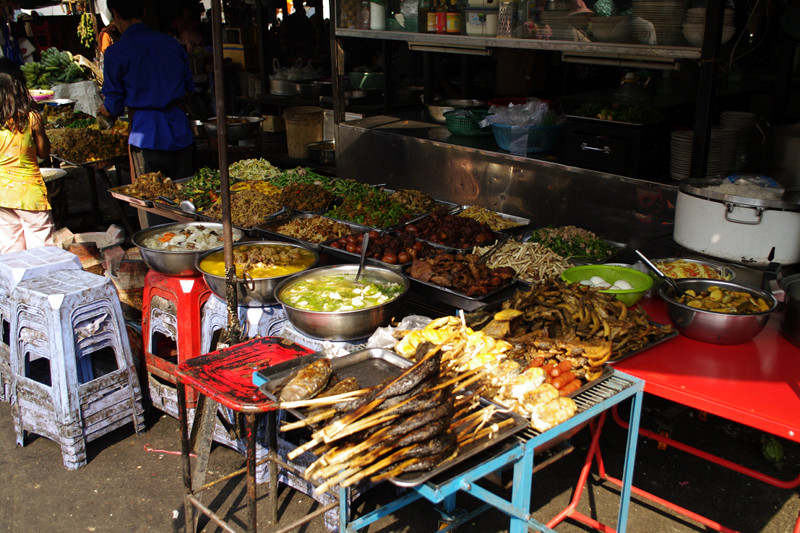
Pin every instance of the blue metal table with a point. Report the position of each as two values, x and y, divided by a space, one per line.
518 452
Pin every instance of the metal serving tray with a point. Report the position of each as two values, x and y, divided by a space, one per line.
370 367
354 258
119 194
269 229
278 215
412 479
99 163
617 246
454 298
522 222
621 357
448 206
444 247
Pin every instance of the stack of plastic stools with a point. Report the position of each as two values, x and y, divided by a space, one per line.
14 268
170 330
72 372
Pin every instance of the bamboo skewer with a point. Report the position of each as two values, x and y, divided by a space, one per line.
309 420
324 400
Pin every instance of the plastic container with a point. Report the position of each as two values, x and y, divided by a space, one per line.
469 126
304 125
539 139
639 281
481 21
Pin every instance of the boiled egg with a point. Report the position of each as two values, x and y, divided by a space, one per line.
622 285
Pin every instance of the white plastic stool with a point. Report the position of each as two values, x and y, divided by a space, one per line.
16 267
72 373
255 322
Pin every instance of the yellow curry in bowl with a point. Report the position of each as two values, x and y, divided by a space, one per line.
260 260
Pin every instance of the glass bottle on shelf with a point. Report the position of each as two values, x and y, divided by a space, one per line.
453 17
430 23
423 8
441 17
362 22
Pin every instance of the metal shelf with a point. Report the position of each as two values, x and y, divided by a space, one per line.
465 43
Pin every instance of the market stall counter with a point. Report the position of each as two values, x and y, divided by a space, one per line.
755 384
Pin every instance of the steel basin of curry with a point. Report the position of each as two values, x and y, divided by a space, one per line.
260 266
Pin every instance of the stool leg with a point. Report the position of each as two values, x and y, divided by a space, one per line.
272 444
188 506
252 521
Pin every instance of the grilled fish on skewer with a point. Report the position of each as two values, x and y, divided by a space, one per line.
308 381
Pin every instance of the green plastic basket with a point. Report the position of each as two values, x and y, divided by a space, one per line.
457 124
640 281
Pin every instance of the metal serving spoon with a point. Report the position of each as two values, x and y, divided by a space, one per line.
364 246
678 291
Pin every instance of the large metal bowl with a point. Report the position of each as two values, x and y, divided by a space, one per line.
342 325
237 128
724 272
714 327
251 292
174 262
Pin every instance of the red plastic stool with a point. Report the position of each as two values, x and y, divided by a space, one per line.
171 327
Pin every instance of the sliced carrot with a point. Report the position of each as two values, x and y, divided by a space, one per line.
167 237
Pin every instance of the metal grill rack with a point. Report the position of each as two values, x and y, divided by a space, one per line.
518 453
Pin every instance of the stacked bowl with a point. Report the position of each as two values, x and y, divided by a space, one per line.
695 23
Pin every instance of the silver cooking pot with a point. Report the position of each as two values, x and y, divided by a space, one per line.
736 228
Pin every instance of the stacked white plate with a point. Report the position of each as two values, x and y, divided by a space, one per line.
742 124
722 147
666 17
695 23
562 24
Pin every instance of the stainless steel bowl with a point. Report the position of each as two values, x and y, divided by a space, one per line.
343 325
238 128
726 273
174 262
322 152
710 326
438 108
251 292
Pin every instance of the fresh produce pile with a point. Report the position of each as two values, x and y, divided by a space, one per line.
54 67
449 230
573 243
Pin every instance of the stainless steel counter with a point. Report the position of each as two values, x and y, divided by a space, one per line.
411 152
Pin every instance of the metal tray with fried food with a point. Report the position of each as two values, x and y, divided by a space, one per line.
616 358
454 298
98 163
520 223
509 424
120 193
616 249
269 230
369 367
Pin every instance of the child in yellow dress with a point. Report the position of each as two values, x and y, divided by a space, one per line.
26 219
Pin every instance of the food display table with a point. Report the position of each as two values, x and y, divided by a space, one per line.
518 452
756 384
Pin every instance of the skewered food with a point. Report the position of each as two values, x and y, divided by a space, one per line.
308 381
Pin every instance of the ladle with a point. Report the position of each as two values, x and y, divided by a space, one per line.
364 246
678 291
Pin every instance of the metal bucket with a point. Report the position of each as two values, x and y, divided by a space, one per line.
304 125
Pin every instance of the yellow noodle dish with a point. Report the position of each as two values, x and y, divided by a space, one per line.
261 260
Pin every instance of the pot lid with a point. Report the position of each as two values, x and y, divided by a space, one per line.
699 188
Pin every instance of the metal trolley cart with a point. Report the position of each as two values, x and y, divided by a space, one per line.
518 452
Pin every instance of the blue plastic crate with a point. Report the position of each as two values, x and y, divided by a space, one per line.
540 138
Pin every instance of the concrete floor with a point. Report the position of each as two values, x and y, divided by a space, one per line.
133 483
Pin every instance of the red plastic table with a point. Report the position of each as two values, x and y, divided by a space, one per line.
226 377
756 384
